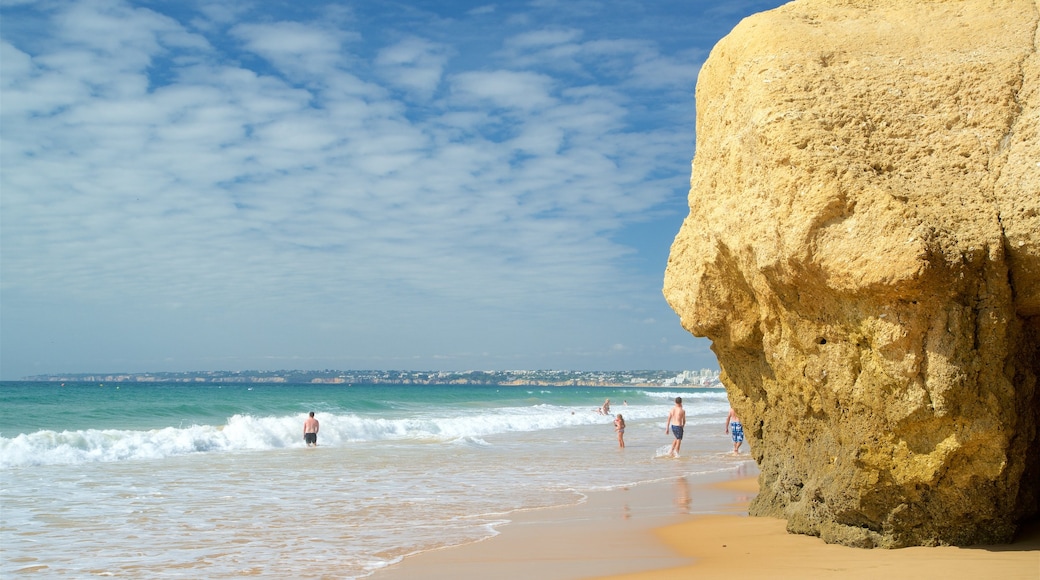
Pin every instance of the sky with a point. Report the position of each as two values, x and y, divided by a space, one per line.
414 185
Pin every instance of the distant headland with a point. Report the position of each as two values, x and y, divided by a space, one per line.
705 378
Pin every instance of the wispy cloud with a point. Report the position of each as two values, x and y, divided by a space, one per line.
219 165
413 64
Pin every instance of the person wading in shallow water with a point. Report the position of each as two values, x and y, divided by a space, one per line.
676 422
734 425
310 431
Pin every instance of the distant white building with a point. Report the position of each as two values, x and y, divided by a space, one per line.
701 378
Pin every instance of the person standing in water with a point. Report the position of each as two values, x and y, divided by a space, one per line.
736 430
619 426
676 423
310 431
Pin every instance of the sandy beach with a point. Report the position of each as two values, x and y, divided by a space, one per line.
673 530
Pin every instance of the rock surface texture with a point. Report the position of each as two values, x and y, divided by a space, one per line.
863 251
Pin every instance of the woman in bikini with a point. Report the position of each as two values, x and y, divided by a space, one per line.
619 426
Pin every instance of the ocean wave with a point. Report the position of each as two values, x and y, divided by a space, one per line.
246 432
700 393
92 445
470 442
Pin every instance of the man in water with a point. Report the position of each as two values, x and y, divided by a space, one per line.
676 422
734 425
310 431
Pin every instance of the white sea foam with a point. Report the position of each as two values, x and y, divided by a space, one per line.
249 433
688 395
221 501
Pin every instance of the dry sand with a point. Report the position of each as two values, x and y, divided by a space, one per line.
675 530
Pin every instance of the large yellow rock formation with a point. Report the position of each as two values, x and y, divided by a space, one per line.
863 250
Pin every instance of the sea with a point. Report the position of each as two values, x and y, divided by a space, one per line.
213 480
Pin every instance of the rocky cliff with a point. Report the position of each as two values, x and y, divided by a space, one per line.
863 251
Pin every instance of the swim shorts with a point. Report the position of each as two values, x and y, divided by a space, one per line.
310 438
677 431
736 430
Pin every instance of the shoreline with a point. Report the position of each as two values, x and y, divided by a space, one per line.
611 532
678 529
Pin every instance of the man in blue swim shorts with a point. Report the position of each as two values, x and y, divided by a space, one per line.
676 422
736 430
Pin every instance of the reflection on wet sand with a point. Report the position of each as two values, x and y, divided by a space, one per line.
682 495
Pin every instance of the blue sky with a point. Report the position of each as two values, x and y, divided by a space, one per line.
430 185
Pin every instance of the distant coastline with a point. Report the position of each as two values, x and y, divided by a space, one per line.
704 378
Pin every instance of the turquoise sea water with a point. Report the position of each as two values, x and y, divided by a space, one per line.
214 480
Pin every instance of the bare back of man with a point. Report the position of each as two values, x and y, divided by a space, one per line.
310 431
676 424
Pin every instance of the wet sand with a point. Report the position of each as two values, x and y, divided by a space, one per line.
613 532
673 530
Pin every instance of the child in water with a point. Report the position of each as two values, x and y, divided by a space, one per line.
619 426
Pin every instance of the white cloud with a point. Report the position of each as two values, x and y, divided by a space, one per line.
504 88
345 193
542 38
413 64
655 71
125 35
298 51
